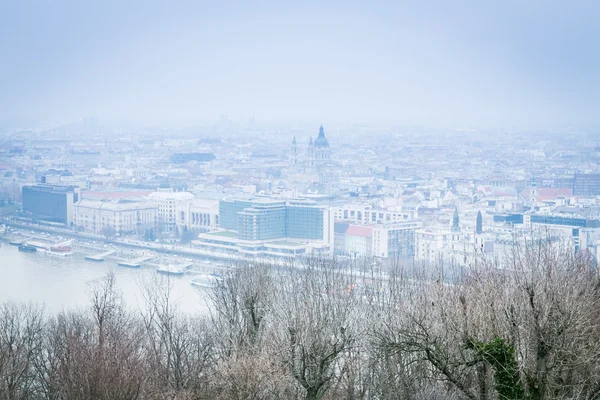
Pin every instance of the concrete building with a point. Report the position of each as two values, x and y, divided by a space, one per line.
395 240
364 214
122 217
167 203
431 243
377 240
269 228
50 203
199 215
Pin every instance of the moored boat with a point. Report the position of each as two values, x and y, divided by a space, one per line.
170 270
27 248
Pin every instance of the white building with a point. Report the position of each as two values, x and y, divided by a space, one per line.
167 204
199 215
365 214
377 240
431 243
392 240
123 217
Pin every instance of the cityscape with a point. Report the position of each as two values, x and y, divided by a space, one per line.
306 193
316 200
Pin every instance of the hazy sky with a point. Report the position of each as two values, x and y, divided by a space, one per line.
507 63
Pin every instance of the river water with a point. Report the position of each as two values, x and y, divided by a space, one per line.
61 283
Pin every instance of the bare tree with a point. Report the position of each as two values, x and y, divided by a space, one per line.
241 303
178 347
523 329
318 323
21 337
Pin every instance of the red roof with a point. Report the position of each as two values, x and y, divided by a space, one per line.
359 231
544 194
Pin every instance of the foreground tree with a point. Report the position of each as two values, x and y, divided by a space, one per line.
527 330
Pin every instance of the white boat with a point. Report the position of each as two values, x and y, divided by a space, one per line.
206 280
170 270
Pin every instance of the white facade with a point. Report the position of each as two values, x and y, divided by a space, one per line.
364 214
431 243
199 215
395 239
124 217
167 204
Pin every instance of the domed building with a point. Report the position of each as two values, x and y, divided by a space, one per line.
321 147
316 159
318 151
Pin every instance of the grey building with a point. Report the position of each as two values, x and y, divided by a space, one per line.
50 203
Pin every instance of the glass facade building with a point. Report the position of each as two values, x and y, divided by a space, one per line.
304 221
265 219
49 203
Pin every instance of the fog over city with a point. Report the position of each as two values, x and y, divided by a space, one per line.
299 200
472 64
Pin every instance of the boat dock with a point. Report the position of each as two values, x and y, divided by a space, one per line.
182 266
133 263
99 257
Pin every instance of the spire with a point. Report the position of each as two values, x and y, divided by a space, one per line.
311 142
455 221
321 131
294 141
479 223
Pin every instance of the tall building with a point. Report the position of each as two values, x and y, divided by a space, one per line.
266 219
269 228
50 203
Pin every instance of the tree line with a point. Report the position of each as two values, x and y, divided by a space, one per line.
524 328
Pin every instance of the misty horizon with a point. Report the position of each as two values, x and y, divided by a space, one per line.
470 65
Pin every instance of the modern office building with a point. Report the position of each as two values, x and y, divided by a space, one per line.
586 185
50 203
270 228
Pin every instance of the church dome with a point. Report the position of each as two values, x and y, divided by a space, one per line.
321 140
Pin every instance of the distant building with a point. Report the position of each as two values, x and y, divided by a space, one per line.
317 153
50 203
122 217
183 158
363 213
586 185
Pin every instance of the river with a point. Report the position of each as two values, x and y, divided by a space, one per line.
61 283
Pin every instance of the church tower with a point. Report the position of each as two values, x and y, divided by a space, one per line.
294 153
310 155
455 221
